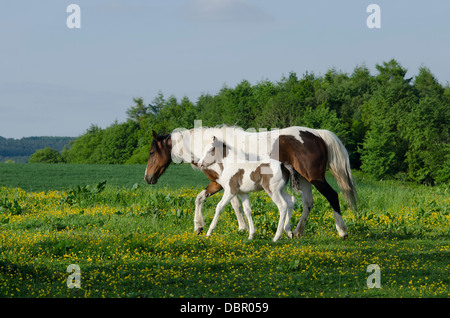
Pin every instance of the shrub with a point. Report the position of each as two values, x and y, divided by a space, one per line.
46 155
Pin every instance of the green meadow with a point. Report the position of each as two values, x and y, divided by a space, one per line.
131 239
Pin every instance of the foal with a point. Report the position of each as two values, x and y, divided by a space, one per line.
243 178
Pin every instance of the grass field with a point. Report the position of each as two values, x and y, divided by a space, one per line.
39 177
130 239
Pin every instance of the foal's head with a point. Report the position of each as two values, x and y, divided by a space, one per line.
215 153
159 159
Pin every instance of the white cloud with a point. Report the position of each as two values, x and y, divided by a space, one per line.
225 11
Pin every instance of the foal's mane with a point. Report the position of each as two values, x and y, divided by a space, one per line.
220 143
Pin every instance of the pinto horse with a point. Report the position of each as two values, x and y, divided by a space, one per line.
307 150
251 176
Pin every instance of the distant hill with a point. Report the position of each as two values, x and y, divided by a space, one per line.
20 150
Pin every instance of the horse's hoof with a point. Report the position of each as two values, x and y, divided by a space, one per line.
344 237
199 231
290 235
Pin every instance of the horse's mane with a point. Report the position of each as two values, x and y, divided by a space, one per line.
221 126
227 126
161 137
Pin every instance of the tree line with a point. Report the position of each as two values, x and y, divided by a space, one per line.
392 126
19 150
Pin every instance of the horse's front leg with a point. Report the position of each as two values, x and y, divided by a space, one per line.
227 196
199 222
214 187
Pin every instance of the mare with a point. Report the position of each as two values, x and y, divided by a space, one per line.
242 178
308 151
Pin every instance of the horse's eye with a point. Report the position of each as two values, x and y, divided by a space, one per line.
152 153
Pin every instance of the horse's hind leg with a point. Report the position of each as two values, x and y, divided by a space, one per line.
332 197
248 213
240 217
307 201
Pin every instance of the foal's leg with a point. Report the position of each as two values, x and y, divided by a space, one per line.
278 199
248 213
307 200
214 187
199 222
227 196
240 217
290 200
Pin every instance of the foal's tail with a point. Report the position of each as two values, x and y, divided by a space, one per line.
339 164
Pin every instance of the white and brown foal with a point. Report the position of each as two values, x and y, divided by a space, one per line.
241 178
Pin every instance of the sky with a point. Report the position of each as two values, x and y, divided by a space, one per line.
58 81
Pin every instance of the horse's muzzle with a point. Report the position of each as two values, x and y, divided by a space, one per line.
150 179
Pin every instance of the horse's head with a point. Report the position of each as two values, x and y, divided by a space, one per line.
159 159
215 153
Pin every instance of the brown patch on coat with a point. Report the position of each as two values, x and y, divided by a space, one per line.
308 158
236 181
211 174
213 187
262 179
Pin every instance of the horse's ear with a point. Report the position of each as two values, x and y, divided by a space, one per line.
155 135
168 141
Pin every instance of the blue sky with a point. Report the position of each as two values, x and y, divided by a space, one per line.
56 81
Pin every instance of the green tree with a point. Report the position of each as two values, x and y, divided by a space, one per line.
389 71
427 130
288 102
157 104
392 126
118 142
46 155
86 148
238 105
209 110
138 111
426 84
278 112
323 118
384 147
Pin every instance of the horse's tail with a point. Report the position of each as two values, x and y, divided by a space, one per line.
339 164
